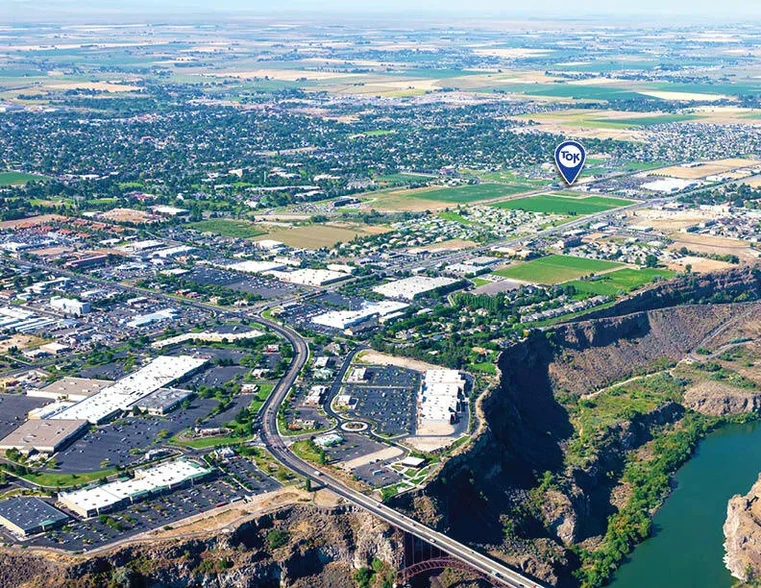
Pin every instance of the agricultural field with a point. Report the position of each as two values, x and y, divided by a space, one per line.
470 193
555 269
623 280
236 229
565 205
12 178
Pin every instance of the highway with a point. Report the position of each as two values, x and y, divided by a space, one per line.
497 572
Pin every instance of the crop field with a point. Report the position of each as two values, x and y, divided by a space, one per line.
470 193
623 280
236 229
12 178
555 269
551 204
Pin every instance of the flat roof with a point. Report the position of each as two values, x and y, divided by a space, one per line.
75 387
30 513
163 398
163 371
42 435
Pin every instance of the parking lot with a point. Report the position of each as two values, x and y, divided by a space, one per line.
377 475
387 397
114 441
144 516
13 411
245 472
263 286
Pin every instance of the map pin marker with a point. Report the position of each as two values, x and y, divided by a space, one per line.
569 159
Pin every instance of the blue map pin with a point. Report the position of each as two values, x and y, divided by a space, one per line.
569 158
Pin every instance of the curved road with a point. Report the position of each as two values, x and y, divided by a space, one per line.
499 573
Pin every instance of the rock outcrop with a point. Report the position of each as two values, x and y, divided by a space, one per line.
720 399
742 532
298 546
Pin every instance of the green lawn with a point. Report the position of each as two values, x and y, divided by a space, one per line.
237 229
480 282
12 178
486 367
646 121
453 216
261 396
555 269
624 280
551 204
470 192
66 480
576 91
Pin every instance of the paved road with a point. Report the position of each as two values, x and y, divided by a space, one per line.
501 574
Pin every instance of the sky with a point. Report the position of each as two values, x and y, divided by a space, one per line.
565 9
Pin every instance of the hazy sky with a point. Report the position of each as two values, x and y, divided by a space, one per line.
540 8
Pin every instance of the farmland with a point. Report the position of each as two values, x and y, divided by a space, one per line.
623 280
470 193
564 205
555 269
236 229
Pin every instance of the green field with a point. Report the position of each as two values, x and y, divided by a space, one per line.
228 228
624 280
576 91
563 205
555 269
12 178
470 193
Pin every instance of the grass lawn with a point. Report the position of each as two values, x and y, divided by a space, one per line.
564 205
209 442
307 450
486 367
469 193
12 178
453 216
65 480
480 281
555 269
624 280
261 395
237 229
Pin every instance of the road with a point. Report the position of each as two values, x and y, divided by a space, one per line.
499 573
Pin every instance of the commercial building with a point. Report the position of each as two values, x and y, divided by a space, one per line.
209 336
439 397
343 319
74 389
147 482
411 288
256 267
69 306
24 516
164 400
43 436
315 395
143 320
164 371
309 277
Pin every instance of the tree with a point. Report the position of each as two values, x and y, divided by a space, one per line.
651 260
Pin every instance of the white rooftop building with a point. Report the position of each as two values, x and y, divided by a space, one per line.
164 371
93 501
343 319
439 397
411 288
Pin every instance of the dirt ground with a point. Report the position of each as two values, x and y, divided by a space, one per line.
707 169
20 342
451 245
382 455
668 221
429 444
317 236
127 215
709 244
372 357
699 264
32 221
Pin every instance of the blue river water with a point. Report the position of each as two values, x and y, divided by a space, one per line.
686 549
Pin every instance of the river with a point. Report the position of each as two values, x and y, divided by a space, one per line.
687 547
